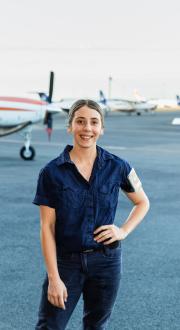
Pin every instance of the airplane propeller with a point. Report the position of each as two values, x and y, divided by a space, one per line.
51 86
48 120
44 96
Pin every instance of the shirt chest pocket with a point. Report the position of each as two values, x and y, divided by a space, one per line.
108 195
69 197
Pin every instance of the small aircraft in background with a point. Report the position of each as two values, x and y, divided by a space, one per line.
136 105
19 114
66 103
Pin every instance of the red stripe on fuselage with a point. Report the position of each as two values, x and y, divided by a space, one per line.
15 109
21 100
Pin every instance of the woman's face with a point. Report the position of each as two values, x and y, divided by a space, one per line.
86 127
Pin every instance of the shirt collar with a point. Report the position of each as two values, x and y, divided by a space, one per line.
64 156
102 156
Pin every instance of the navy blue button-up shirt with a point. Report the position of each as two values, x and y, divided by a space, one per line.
81 206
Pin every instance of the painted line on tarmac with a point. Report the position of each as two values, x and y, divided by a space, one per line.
34 142
56 144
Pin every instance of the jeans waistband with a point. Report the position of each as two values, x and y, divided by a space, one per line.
102 249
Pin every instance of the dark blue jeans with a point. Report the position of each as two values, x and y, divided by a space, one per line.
94 274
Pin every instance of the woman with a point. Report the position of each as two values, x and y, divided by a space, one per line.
78 194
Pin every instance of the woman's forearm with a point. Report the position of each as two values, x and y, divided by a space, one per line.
49 251
135 217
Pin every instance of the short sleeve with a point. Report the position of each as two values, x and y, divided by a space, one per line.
44 192
130 181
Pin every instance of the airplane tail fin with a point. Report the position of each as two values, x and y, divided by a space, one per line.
137 96
43 96
102 98
178 99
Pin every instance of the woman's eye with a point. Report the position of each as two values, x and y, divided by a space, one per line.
94 122
80 121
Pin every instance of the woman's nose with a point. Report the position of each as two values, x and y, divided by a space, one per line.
87 126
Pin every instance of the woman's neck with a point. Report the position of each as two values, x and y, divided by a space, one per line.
83 155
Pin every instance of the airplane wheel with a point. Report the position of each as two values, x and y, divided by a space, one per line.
27 154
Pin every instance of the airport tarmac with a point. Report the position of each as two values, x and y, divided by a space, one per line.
148 298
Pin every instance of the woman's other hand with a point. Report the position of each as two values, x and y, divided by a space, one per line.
57 293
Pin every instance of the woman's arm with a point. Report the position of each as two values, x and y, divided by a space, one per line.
141 207
57 292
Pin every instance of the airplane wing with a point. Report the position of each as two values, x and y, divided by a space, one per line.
132 101
54 108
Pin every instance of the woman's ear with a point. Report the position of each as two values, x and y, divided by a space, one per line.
69 130
102 131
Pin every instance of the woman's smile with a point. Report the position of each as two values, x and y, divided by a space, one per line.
86 137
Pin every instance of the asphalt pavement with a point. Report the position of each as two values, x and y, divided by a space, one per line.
149 293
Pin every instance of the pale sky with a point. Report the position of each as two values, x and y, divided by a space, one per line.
136 42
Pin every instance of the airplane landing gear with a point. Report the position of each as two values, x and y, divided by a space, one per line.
27 152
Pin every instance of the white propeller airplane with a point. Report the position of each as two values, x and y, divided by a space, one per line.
65 104
18 114
127 105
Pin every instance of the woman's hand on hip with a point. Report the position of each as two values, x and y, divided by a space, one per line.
109 234
57 293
